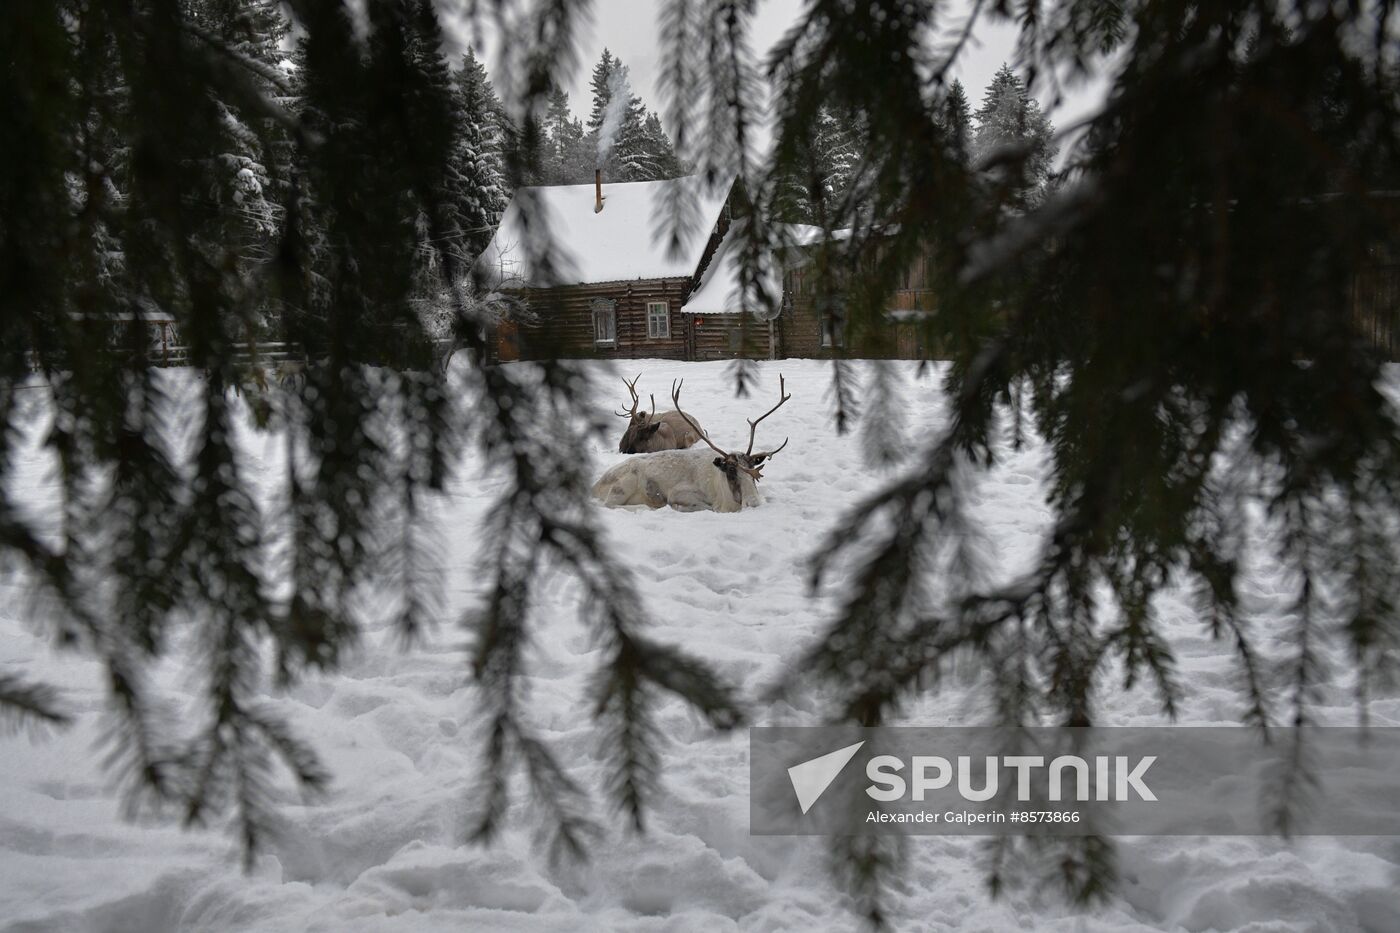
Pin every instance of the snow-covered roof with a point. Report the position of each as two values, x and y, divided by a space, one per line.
719 291
627 239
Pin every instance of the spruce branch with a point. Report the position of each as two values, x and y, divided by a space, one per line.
28 705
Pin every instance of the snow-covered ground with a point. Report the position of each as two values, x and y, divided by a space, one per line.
385 851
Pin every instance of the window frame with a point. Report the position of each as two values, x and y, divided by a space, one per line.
604 309
833 337
664 316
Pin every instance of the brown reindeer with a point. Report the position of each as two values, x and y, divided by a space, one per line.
291 372
691 480
287 372
648 432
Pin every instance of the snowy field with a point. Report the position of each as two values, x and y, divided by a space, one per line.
384 852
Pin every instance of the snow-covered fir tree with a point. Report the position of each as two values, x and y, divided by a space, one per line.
839 149
576 155
448 220
600 84
631 156
615 123
659 144
479 98
102 149
566 160
830 154
477 156
629 143
256 151
558 120
1010 123
957 120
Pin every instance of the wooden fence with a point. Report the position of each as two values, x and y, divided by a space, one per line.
160 341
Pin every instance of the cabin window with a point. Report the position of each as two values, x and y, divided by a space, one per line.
833 322
658 319
833 333
605 322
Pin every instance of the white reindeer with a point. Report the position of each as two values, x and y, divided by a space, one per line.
691 480
647 431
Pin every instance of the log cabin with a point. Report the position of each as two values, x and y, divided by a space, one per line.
722 323
614 289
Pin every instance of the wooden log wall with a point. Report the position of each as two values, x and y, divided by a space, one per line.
1375 301
565 327
730 336
801 323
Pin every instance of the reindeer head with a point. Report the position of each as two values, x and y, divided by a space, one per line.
640 425
732 463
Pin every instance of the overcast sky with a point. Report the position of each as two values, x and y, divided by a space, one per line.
629 29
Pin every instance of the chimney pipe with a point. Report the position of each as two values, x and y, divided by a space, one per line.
598 188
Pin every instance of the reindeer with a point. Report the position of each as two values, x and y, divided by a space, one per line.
647 431
691 480
288 372
254 378
291 372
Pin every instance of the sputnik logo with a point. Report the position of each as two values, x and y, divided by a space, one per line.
811 778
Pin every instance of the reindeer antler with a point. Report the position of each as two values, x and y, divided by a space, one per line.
631 390
676 400
765 454
753 425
